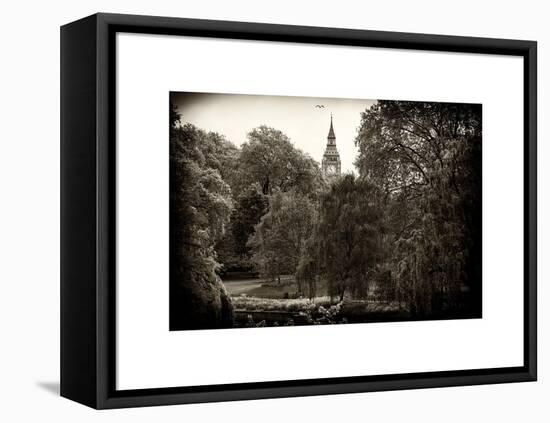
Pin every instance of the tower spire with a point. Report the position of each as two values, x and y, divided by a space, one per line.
331 135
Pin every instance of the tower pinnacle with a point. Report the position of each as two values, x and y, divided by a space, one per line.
331 135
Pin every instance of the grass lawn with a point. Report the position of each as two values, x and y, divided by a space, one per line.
263 288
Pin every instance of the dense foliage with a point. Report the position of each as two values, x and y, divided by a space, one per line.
350 231
426 160
200 203
279 238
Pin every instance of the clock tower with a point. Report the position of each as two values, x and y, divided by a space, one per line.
331 159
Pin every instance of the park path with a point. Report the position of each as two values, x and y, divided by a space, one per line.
241 286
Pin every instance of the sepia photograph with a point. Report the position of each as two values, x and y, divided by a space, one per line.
292 211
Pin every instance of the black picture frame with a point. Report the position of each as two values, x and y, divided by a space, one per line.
88 199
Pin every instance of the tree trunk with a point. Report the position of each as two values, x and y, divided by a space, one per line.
342 294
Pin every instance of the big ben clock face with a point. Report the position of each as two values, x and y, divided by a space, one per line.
331 169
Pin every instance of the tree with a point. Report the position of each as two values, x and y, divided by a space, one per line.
233 250
279 238
269 159
220 154
200 205
426 159
251 206
309 266
349 236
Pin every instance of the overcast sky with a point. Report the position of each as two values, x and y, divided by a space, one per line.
234 115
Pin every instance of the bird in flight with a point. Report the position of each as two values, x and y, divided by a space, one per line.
320 106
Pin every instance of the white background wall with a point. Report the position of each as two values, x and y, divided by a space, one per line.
29 211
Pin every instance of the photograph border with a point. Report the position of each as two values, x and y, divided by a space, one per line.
88 210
